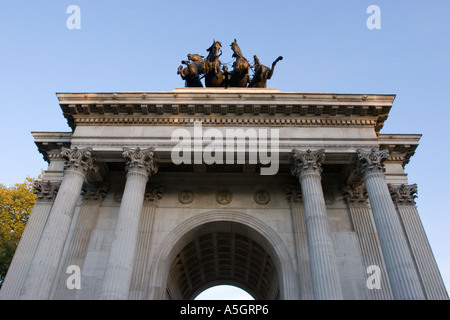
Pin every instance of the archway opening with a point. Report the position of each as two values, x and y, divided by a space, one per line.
224 292
223 253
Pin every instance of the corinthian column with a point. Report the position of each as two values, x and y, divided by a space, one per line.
362 220
119 269
325 276
44 266
143 248
46 192
294 196
403 197
400 266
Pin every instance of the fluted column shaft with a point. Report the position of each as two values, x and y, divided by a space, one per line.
301 242
75 254
44 266
143 248
362 220
324 272
400 266
23 256
403 196
119 269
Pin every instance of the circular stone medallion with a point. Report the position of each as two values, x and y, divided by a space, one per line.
186 196
262 197
223 197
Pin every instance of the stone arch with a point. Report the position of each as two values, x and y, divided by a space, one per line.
216 221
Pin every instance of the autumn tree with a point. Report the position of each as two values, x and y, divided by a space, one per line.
16 203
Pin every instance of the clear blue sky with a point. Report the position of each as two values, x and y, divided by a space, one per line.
327 47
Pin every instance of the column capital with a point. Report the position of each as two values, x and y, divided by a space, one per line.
154 193
371 161
307 161
294 194
355 194
140 160
79 159
94 191
46 190
403 194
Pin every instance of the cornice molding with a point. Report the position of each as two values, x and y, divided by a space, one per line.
221 94
222 121
142 107
401 147
49 144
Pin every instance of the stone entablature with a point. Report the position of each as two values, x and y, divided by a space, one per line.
181 106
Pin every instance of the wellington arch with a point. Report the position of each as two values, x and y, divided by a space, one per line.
142 199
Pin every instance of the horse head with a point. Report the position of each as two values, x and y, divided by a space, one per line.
237 53
195 57
214 50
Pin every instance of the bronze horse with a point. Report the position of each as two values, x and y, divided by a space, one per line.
241 68
213 75
191 74
262 73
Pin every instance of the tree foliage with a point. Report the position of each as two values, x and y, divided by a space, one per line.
16 203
